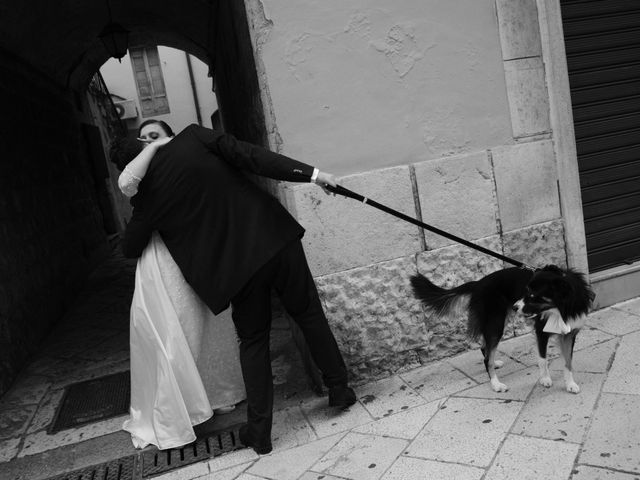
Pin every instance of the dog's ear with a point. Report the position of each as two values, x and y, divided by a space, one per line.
561 287
553 269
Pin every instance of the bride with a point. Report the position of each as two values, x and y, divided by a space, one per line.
184 359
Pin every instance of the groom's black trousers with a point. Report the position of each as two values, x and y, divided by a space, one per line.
288 273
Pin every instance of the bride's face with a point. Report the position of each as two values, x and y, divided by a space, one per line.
151 133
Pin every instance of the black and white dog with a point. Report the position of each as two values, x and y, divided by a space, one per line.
556 300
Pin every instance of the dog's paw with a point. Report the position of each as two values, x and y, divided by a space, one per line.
498 363
545 381
499 387
573 387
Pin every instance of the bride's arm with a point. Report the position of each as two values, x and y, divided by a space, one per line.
136 169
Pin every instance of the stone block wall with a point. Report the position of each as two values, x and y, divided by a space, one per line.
51 229
504 199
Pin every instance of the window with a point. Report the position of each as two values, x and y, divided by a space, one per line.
149 81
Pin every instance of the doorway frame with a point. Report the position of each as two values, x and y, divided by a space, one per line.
615 284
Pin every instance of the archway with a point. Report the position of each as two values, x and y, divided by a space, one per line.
50 54
53 231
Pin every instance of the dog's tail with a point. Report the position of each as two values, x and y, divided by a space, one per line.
440 300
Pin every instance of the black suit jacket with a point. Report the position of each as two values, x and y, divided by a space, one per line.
218 225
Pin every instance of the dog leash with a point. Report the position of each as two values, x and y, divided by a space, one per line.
345 192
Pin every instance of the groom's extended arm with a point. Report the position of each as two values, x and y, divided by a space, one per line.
136 235
258 160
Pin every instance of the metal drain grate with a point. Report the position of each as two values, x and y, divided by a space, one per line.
161 461
121 469
92 401
155 462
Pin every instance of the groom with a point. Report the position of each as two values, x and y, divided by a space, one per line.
234 243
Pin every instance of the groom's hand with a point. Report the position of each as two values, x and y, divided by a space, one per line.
323 179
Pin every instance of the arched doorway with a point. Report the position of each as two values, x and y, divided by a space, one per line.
55 231
51 210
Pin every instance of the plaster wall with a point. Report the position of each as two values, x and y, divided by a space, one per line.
119 79
357 86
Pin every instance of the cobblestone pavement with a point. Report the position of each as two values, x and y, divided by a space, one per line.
443 421
440 421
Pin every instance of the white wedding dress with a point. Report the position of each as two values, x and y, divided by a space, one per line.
184 360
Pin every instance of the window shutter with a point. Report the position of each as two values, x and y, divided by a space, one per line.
149 81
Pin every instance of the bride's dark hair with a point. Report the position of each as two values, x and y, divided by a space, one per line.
165 126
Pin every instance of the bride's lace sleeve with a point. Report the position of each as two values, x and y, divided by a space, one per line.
128 183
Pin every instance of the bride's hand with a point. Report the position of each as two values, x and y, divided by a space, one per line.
155 143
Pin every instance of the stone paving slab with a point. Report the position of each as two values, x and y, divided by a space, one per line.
9 449
58 369
93 370
520 384
613 440
594 359
64 344
391 395
406 424
41 441
328 421
194 470
624 376
406 468
614 321
472 364
524 349
232 460
631 306
556 414
46 411
438 380
227 474
291 464
290 429
526 458
590 336
365 457
316 476
465 430
116 348
26 390
68 458
584 472
15 420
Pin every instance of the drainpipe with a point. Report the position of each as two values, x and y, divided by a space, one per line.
193 88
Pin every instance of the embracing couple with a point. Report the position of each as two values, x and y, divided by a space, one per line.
229 243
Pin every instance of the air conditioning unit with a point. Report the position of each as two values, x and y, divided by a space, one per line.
126 109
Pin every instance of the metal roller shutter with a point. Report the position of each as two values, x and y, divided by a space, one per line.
602 39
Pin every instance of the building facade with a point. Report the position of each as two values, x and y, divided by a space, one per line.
460 114
160 82
511 123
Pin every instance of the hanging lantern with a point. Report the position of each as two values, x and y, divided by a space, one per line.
115 39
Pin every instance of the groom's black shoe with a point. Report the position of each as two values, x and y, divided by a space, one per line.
341 396
261 448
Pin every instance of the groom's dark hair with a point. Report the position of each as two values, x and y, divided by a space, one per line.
122 150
